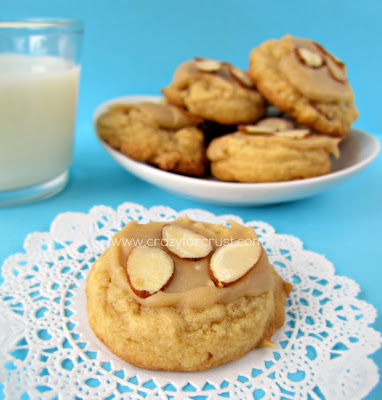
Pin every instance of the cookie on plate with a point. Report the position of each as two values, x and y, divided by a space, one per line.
273 150
159 134
304 80
167 296
216 91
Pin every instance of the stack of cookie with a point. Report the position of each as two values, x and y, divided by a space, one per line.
280 121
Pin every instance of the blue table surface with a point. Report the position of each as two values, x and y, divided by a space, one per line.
132 47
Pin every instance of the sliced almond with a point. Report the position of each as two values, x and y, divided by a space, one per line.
329 55
277 124
336 67
293 133
207 65
310 57
149 270
257 130
232 262
337 71
185 243
240 75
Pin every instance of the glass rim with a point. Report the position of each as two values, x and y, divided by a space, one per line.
73 25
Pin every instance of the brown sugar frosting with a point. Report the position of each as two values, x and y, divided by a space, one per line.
224 94
191 286
304 80
315 83
188 70
185 323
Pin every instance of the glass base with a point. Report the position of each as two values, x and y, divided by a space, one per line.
35 192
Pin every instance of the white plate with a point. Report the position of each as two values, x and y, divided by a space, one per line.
357 151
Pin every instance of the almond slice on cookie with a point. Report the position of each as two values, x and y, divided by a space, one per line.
277 124
207 64
328 54
309 57
257 130
294 133
232 262
337 71
185 243
149 270
336 67
240 75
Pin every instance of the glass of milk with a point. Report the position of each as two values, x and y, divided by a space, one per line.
39 77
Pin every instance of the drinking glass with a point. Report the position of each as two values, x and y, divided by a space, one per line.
39 79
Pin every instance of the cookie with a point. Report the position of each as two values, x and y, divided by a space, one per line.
306 81
192 323
158 134
215 91
273 150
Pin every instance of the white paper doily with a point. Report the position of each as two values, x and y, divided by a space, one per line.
48 350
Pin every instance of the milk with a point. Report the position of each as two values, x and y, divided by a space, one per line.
38 101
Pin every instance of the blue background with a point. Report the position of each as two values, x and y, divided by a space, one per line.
133 47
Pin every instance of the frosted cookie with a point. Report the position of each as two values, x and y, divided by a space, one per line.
215 91
158 134
273 150
303 79
185 295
